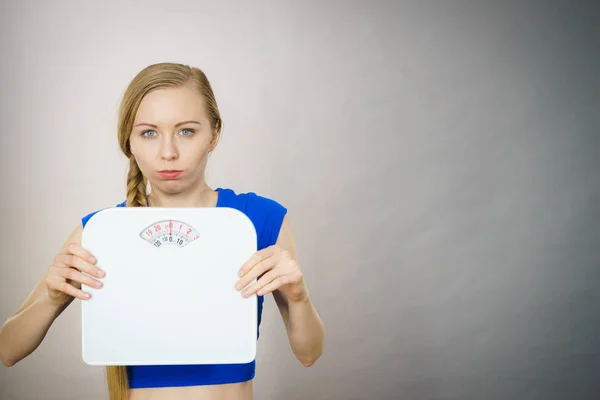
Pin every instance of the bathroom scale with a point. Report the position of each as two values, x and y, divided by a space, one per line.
168 296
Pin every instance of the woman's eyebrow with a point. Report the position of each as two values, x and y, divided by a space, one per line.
176 125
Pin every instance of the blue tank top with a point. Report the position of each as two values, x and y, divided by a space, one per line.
267 216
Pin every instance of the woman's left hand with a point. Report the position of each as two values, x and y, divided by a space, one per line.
279 272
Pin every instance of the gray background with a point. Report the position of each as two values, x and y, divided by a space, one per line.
440 161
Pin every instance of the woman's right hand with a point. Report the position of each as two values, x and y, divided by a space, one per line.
66 274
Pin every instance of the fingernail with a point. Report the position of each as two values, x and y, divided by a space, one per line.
92 260
241 272
101 274
238 286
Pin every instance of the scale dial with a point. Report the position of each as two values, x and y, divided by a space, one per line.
169 233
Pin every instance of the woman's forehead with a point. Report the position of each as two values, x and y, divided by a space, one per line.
171 106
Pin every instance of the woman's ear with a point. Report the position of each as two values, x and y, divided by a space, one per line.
213 142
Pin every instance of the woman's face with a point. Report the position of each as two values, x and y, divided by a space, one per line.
171 131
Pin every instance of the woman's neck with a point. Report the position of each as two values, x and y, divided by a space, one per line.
203 196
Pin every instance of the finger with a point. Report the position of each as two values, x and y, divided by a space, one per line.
69 260
264 280
256 258
256 271
73 277
77 250
275 284
77 276
56 283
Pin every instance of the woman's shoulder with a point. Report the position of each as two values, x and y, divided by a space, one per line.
250 201
87 217
266 213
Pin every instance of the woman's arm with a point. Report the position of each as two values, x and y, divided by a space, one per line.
304 327
23 332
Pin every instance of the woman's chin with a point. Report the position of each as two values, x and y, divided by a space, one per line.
171 187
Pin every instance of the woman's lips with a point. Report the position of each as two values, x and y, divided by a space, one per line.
169 174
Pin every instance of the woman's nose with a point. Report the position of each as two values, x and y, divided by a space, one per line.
168 150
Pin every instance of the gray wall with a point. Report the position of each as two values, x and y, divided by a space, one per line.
440 161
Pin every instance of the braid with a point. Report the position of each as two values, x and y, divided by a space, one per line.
118 384
136 185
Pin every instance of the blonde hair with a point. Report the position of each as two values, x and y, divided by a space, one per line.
162 75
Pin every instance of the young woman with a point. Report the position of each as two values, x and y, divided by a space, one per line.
168 125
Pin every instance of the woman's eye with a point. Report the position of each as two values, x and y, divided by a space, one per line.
145 134
190 132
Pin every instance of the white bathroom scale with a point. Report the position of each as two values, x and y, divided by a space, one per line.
168 294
